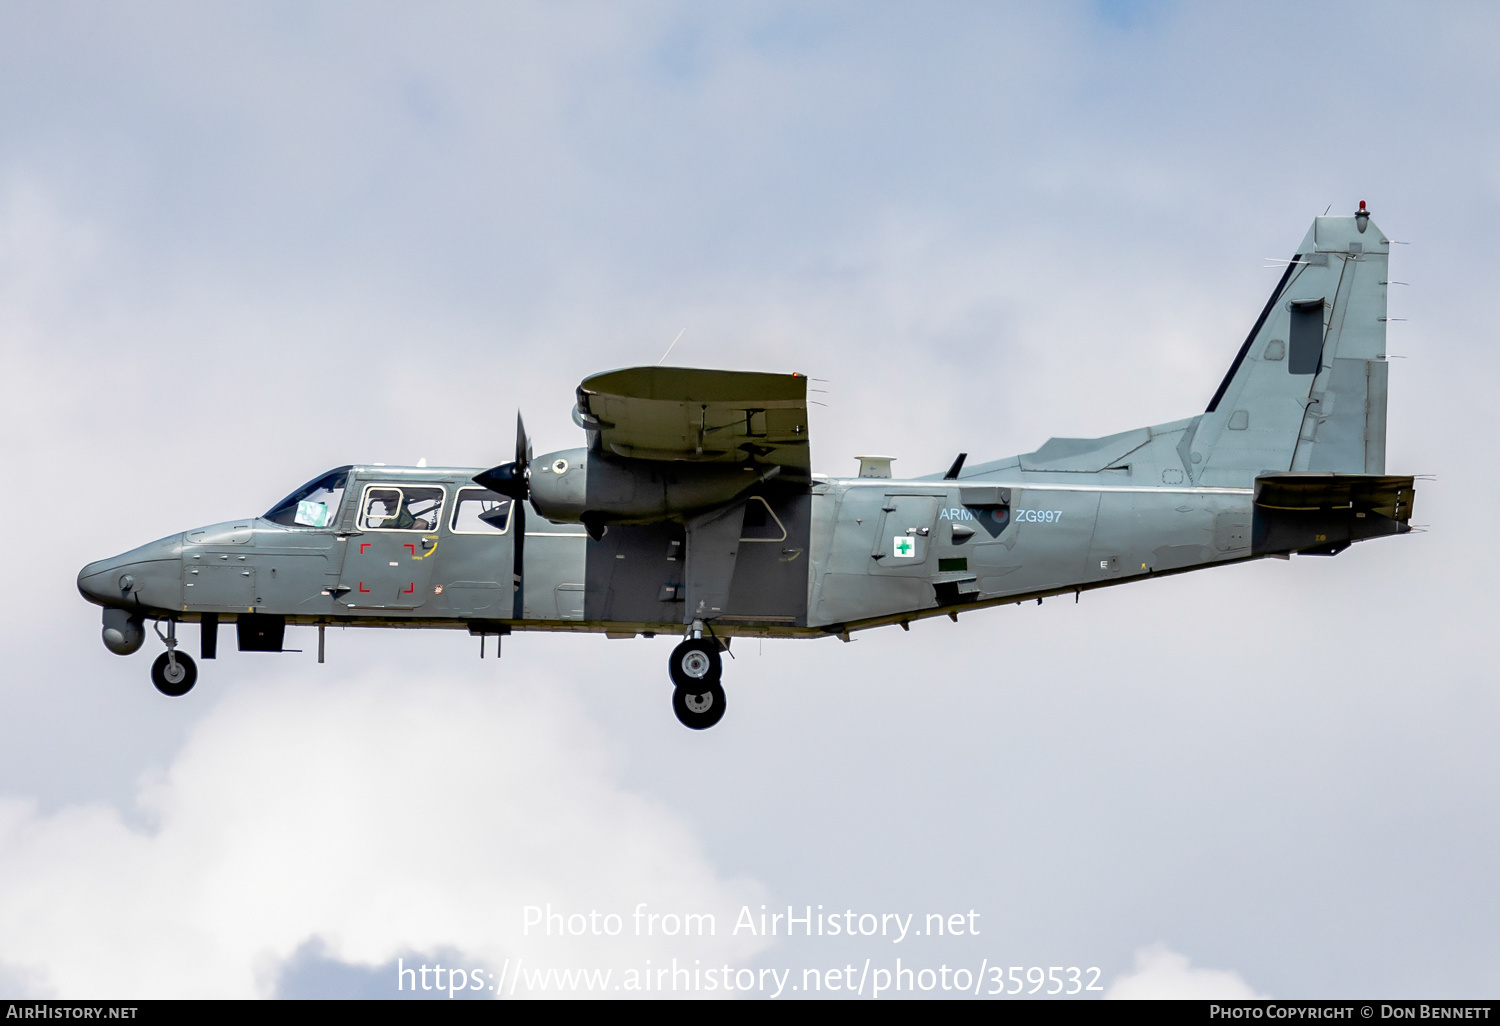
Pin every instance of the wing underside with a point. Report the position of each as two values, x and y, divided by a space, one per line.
699 416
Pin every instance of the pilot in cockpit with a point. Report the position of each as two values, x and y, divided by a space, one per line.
418 511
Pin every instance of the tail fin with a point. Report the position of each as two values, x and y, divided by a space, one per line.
1307 391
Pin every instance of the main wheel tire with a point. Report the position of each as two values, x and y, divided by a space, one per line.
700 710
696 665
174 681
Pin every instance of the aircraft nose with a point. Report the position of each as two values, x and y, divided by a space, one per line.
106 582
147 576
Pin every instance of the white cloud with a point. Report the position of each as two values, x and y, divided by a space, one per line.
1162 973
382 816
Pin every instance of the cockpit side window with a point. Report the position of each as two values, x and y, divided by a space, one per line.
480 511
315 504
400 508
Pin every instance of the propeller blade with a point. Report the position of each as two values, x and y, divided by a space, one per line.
514 480
523 444
518 567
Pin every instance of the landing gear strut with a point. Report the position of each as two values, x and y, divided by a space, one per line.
695 668
174 673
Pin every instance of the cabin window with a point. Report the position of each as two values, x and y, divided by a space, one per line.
400 508
480 511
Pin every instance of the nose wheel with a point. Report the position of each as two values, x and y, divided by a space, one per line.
174 673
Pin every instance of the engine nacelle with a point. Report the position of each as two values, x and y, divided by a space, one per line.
123 634
559 485
575 486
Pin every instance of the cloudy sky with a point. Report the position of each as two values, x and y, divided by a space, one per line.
243 243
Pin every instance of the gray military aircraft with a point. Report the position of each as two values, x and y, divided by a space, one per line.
693 510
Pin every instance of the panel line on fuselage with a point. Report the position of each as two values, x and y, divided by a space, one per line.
1039 486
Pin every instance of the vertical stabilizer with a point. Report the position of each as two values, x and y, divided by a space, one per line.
1307 391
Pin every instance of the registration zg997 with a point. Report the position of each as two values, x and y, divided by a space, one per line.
1038 516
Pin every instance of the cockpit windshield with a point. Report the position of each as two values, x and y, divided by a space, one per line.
315 504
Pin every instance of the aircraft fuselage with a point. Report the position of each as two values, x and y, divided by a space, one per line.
843 554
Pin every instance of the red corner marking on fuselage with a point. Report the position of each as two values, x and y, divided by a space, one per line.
412 548
363 588
362 547
410 588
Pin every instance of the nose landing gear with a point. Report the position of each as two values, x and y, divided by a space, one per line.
174 673
695 668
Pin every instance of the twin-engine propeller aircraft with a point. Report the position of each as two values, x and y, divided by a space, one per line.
693 510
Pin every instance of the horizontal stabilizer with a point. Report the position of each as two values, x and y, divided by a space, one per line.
1322 514
1389 496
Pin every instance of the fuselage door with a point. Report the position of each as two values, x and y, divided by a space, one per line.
476 563
905 535
386 565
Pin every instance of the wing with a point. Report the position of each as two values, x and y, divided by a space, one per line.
699 416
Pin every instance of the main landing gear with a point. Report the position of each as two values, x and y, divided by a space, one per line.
699 711
695 667
174 673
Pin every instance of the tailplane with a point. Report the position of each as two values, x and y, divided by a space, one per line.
1323 514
